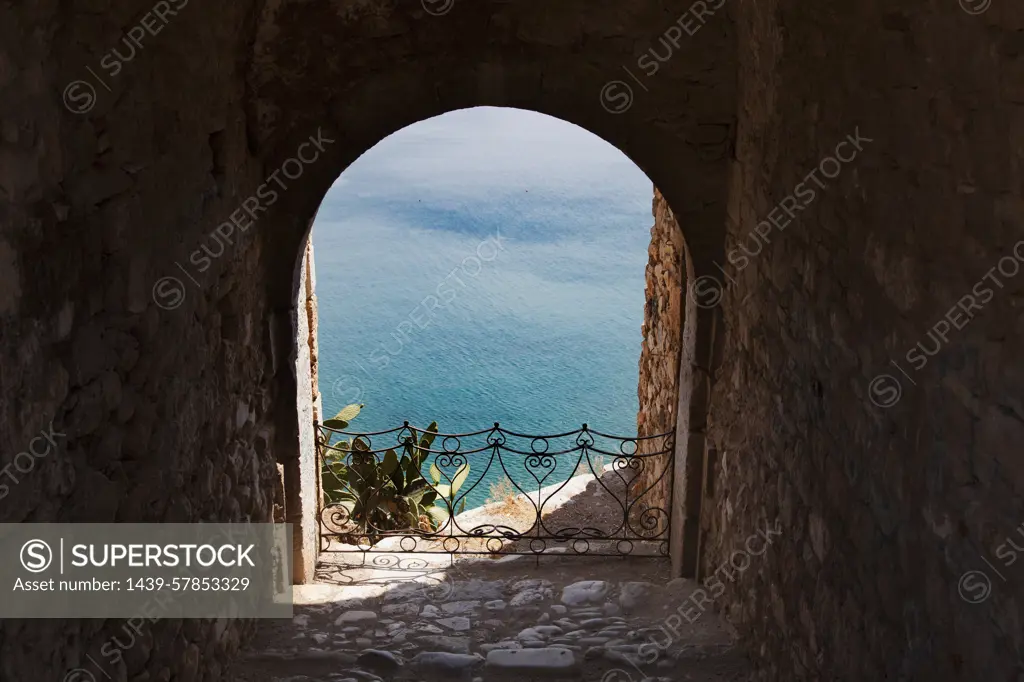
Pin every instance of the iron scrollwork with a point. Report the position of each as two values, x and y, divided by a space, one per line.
629 493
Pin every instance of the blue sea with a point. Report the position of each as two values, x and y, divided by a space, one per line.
485 266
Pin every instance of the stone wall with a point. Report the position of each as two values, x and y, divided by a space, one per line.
889 481
658 388
126 322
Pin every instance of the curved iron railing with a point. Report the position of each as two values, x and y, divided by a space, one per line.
626 511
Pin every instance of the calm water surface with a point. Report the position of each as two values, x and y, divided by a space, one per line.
486 265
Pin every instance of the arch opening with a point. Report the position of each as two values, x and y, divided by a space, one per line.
677 319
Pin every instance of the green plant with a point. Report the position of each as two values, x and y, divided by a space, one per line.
390 492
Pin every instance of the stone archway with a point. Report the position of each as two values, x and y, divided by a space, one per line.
686 156
648 498
689 448
172 377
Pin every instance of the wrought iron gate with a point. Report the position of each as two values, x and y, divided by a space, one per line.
406 490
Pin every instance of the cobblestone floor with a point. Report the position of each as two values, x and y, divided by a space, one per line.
583 618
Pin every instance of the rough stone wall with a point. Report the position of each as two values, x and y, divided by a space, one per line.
658 387
885 498
165 388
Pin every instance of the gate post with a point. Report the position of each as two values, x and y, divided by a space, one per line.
691 423
297 448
